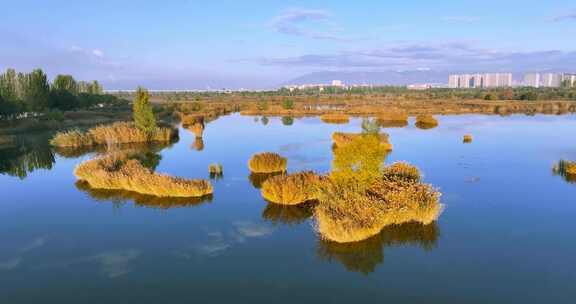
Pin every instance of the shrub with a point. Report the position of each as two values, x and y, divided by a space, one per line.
426 121
290 189
288 104
402 170
337 118
121 172
467 138
267 163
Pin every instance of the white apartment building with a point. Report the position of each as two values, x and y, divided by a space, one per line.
532 80
337 83
551 80
488 80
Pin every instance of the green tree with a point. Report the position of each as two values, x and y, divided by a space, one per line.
35 90
8 86
65 83
142 112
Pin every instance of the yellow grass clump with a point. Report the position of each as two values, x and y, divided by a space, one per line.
267 163
426 121
346 214
291 189
72 138
467 138
341 139
121 172
402 170
215 170
336 118
116 133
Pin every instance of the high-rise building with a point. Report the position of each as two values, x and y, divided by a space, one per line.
569 79
551 80
489 80
337 83
532 80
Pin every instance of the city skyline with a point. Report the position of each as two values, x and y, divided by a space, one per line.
179 45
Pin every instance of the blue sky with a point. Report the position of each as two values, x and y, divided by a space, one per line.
177 44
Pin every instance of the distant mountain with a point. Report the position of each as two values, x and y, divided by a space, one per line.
376 78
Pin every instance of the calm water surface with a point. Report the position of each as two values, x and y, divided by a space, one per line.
506 234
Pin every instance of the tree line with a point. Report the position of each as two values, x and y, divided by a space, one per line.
32 92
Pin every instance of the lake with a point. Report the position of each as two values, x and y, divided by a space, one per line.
506 234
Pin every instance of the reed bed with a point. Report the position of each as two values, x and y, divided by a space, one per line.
291 189
426 121
335 118
467 138
119 171
346 214
341 139
267 163
216 170
116 133
402 170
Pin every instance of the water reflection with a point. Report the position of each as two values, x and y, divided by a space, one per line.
26 155
565 169
287 120
198 144
365 256
257 179
288 215
121 197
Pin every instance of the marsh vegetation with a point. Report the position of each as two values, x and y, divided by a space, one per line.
267 162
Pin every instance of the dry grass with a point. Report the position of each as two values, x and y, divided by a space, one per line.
346 214
198 144
120 172
72 138
267 163
341 139
215 169
116 133
426 121
402 170
291 189
467 138
196 128
335 118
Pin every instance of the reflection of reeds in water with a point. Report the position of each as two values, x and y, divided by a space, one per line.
467 138
122 171
257 179
75 152
292 189
120 196
565 169
267 163
426 121
288 215
335 118
364 256
287 120
198 144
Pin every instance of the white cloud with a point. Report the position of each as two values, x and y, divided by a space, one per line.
98 53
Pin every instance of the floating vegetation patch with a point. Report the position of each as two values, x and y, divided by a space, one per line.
467 138
335 118
565 169
426 121
288 215
364 256
116 133
267 163
292 189
122 171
